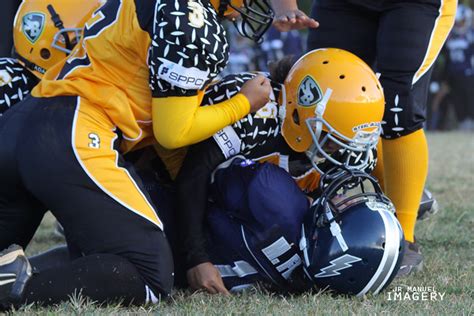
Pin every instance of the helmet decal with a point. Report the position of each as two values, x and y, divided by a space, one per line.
309 92
365 126
33 25
337 265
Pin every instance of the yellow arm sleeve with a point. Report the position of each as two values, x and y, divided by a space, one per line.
181 121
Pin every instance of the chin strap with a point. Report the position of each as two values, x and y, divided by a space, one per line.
320 109
336 230
59 25
28 64
321 105
282 104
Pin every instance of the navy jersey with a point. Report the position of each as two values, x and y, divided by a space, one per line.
255 225
16 83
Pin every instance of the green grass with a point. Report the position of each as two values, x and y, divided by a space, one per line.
446 240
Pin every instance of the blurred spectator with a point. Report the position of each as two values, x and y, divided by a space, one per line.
455 86
277 45
242 53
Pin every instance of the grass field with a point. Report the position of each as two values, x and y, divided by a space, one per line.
446 239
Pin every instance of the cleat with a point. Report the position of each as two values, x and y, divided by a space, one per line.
412 260
15 272
428 206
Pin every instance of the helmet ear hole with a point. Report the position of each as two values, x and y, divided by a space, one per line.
363 89
326 62
296 117
383 245
45 53
342 76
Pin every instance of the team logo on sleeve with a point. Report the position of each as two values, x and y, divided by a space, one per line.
196 14
180 76
5 78
269 111
33 25
309 92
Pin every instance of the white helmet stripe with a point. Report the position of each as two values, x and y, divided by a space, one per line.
394 245
390 255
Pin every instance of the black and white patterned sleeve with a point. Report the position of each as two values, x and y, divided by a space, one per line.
188 49
15 83
252 133
226 88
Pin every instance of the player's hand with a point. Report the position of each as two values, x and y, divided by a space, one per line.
206 276
293 20
257 91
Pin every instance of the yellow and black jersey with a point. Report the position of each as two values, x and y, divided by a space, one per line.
136 50
16 82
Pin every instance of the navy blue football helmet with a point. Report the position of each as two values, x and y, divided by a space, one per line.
351 242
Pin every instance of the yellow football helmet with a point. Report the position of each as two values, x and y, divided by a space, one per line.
45 32
256 16
333 108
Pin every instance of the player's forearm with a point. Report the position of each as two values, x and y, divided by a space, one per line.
180 121
192 192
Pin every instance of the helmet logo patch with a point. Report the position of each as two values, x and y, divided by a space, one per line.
33 25
309 92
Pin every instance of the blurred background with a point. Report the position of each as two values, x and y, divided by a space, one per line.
451 100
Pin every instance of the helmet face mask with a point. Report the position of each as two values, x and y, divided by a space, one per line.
73 36
351 241
331 149
256 17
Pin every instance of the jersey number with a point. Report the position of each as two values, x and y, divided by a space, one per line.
94 141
